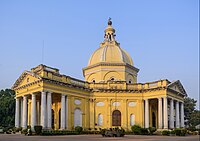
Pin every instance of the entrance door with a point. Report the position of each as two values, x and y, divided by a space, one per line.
116 118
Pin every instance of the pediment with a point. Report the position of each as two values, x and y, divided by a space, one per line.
177 86
26 78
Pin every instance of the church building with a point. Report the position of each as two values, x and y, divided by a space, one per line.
109 97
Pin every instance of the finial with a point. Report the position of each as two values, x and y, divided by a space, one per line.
109 21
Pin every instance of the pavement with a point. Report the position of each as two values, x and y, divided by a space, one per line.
20 137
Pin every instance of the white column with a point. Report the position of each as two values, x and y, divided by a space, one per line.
63 111
21 111
165 113
66 111
160 115
17 113
43 109
33 111
177 115
25 112
146 113
182 115
172 114
49 112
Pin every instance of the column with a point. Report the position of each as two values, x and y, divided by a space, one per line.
160 115
172 114
21 111
177 115
165 113
66 111
146 113
17 113
25 112
33 111
182 115
62 112
49 112
43 109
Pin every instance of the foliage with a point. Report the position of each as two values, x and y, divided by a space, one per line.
152 130
78 129
172 132
144 131
58 132
180 132
136 129
7 108
38 130
189 107
165 133
24 131
195 118
103 132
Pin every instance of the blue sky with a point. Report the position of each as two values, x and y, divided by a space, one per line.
162 36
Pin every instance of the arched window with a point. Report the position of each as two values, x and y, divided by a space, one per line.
100 120
27 80
116 118
130 81
112 78
132 119
77 117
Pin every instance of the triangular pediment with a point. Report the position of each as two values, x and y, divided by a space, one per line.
177 87
26 78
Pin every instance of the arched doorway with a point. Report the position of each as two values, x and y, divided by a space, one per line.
77 117
153 119
52 121
116 118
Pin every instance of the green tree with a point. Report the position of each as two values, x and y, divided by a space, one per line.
190 112
195 118
7 107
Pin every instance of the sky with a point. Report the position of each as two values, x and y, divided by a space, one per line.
162 37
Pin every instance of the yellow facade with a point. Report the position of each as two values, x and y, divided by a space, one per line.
110 95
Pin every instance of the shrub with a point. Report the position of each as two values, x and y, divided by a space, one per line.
18 129
144 131
152 130
165 132
38 130
78 129
183 132
177 131
172 132
103 132
24 131
58 132
136 129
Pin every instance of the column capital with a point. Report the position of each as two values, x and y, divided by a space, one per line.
43 91
63 95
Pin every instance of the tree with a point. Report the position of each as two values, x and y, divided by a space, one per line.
195 118
7 107
191 115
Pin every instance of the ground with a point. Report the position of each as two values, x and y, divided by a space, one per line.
19 137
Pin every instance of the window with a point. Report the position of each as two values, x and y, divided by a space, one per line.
112 79
132 119
93 81
130 81
27 80
100 120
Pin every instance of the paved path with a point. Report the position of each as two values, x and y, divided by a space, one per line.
19 137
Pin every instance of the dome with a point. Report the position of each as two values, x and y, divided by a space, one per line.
109 50
110 54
